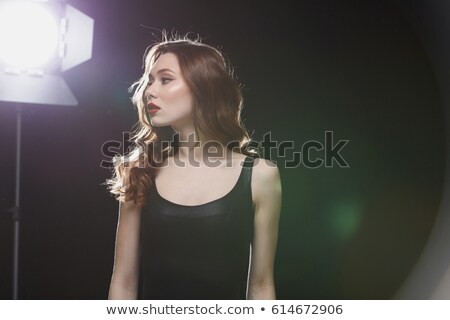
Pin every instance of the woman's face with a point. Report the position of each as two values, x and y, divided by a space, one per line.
168 98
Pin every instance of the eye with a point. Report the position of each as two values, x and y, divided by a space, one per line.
165 80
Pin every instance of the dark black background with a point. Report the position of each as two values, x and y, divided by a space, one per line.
357 68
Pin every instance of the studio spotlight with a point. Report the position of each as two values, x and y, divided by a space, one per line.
39 39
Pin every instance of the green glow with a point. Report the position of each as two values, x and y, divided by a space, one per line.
345 218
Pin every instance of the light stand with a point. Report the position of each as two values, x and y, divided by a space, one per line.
16 214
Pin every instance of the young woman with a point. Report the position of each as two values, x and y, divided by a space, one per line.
198 218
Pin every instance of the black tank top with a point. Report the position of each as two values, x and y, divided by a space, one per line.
201 251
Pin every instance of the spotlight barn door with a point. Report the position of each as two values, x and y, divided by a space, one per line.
78 38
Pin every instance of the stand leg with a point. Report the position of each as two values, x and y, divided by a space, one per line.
16 209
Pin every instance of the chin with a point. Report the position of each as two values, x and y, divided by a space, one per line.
156 123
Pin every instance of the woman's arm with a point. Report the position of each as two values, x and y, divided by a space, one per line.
124 281
266 186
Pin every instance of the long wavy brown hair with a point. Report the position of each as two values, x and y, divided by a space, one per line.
217 104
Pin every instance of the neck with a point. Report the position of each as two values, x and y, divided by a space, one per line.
200 149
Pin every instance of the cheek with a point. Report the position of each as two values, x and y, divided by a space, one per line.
182 95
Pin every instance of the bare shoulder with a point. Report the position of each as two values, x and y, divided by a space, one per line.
265 171
266 182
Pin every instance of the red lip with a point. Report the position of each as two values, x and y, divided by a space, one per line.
152 108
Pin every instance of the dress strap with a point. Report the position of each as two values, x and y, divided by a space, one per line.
248 162
247 170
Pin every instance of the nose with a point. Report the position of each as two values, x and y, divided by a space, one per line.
150 92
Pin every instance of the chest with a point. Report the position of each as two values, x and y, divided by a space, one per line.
196 186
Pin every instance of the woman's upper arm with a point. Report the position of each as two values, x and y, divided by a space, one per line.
127 247
266 186
126 261
124 283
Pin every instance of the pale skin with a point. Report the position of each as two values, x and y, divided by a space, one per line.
176 183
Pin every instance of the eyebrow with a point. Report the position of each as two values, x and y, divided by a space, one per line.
162 70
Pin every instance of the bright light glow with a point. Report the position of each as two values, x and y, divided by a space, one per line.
28 34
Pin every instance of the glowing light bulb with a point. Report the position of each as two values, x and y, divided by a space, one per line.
28 34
